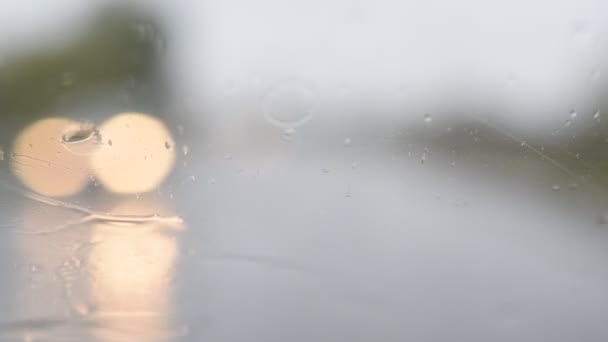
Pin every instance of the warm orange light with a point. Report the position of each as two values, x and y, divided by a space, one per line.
131 268
42 162
137 154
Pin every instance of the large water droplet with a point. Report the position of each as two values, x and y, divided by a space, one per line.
573 114
289 104
596 115
82 138
79 132
428 120
288 134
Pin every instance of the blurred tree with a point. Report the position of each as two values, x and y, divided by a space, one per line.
120 45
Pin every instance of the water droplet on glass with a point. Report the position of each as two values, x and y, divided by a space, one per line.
228 156
82 308
567 123
1 153
354 165
167 145
67 79
423 158
185 149
596 115
573 114
289 104
347 142
325 170
555 187
193 178
80 138
79 132
110 142
428 120
288 134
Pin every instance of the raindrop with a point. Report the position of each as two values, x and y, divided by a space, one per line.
193 178
110 142
289 103
288 134
228 156
347 142
82 308
325 170
423 158
1 153
573 114
185 149
354 165
428 120
555 187
79 132
567 123
596 115
167 146
80 138
67 79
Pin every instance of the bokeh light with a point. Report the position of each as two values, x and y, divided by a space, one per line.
42 163
137 154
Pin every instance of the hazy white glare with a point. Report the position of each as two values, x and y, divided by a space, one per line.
529 58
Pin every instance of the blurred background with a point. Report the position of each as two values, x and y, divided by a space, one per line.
320 170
